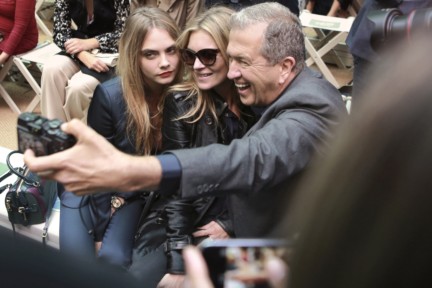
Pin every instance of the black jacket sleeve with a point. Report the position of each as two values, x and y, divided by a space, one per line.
180 213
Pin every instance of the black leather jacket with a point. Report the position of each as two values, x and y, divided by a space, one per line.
183 216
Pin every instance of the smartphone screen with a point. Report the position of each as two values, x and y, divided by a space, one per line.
240 263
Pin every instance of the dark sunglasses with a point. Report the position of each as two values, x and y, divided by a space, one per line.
206 56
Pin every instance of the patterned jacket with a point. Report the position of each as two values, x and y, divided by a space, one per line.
107 27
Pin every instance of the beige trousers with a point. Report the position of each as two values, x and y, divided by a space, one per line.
66 91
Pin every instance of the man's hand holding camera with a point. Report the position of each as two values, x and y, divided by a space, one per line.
94 165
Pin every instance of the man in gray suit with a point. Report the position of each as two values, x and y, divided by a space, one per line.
297 108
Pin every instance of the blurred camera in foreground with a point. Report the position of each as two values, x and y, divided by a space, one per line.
391 25
41 135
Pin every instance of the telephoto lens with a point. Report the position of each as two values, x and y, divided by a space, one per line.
391 25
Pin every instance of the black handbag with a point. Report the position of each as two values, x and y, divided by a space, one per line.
29 199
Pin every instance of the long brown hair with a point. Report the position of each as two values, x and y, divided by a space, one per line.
141 126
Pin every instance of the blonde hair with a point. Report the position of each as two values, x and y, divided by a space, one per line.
141 126
215 22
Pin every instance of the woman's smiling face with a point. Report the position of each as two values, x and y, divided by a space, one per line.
207 77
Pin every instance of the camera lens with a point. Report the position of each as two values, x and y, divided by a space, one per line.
383 21
391 25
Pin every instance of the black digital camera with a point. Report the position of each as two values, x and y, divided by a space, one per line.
41 135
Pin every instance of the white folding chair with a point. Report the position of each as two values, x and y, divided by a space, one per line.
39 21
3 93
338 31
39 56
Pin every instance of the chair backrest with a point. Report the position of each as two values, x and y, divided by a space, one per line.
39 21
325 43
39 4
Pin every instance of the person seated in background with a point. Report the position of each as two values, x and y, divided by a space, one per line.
339 8
70 77
18 30
334 8
205 109
181 11
124 110
362 217
297 109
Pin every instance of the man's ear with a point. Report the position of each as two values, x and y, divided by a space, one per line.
287 67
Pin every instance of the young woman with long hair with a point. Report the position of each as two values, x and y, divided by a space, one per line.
126 111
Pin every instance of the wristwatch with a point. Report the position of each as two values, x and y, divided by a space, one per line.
116 202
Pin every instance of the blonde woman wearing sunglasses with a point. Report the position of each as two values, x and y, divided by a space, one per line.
205 109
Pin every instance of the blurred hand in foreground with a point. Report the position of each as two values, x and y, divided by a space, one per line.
197 274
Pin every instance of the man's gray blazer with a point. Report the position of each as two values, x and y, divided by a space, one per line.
260 170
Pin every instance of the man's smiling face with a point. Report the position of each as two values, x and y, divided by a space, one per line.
255 78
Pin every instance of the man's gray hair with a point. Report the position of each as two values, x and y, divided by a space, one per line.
283 35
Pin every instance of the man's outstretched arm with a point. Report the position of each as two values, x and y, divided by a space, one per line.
94 165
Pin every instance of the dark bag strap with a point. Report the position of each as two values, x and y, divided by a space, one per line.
20 172
3 177
144 213
49 187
